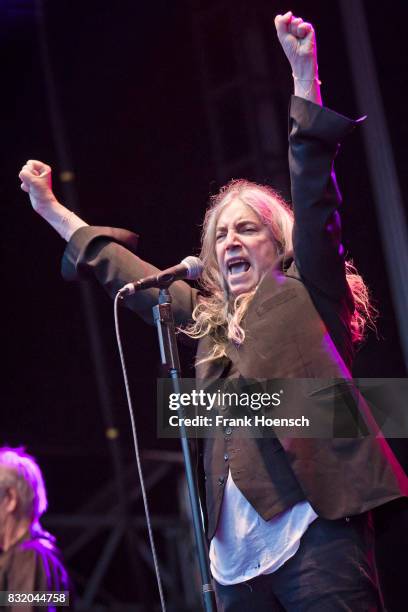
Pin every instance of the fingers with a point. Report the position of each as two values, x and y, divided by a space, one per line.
289 24
34 169
35 175
282 21
299 28
37 168
25 174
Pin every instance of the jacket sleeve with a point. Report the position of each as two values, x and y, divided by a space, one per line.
314 136
106 254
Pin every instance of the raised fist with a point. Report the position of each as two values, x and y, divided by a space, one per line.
35 179
298 42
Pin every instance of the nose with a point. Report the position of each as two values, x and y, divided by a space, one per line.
231 240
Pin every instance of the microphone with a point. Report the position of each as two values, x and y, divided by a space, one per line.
190 268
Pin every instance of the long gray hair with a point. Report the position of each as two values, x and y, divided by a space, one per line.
216 314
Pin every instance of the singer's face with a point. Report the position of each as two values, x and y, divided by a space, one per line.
244 247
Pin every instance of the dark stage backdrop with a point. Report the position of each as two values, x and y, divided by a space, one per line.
130 94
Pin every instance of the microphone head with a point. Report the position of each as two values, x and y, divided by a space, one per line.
194 267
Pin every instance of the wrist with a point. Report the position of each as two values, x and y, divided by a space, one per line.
304 87
44 204
308 88
306 71
63 220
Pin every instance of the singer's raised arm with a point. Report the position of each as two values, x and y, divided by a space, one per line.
102 252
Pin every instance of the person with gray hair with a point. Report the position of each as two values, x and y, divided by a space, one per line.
29 559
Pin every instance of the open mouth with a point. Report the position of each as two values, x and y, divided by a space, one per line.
238 266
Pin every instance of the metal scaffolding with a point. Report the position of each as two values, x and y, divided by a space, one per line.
101 525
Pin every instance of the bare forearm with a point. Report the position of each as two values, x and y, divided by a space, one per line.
306 84
35 179
64 221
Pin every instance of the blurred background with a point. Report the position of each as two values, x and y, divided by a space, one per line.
144 109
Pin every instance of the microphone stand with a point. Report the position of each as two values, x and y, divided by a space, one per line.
163 318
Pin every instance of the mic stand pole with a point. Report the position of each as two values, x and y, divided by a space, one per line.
163 318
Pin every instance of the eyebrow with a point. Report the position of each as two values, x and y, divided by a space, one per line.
238 222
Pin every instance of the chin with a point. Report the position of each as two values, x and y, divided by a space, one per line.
236 291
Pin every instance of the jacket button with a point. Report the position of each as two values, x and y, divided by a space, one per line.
228 431
221 480
226 457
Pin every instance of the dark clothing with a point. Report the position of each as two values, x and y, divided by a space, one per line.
333 571
32 564
297 326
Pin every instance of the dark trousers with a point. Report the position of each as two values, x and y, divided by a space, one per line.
333 571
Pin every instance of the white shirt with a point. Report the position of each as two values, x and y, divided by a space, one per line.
245 546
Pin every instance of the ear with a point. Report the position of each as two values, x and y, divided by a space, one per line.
10 500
